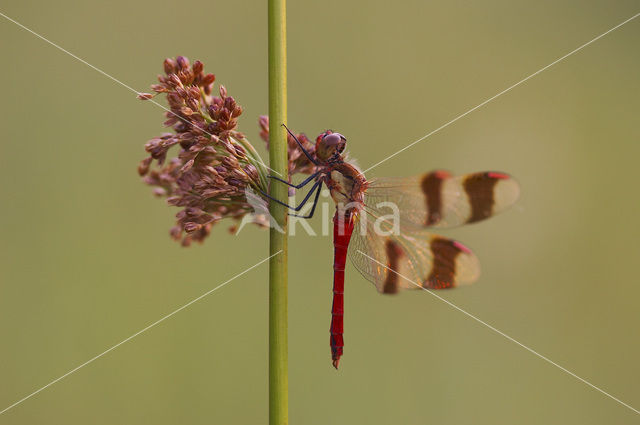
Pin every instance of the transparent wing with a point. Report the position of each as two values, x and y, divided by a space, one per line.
394 261
438 199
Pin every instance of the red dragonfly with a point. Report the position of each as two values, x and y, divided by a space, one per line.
393 250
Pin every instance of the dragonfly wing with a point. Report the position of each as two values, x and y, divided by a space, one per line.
420 260
438 199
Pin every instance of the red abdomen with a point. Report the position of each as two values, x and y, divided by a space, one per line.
342 229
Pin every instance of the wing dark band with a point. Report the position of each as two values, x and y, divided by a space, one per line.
394 253
480 190
442 274
431 185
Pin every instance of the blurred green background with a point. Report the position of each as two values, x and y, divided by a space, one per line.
86 260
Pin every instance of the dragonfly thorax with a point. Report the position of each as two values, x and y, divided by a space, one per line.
347 185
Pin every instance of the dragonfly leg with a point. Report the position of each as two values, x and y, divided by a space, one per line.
315 187
313 208
296 186
307 154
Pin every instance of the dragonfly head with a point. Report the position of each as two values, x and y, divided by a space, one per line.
330 145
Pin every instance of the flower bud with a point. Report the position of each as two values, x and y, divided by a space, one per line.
143 168
187 166
197 67
208 79
192 227
182 62
159 191
169 66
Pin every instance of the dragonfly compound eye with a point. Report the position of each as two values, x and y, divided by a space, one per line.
332 139
329 144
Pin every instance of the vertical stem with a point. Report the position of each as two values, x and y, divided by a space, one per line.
278 381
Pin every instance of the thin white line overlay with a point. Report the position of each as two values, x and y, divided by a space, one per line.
138 333
109 76
502 92
503 334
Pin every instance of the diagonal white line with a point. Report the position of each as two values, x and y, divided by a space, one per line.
137 333
503 334
502 92
109 76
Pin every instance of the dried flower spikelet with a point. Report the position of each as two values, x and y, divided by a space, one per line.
213 164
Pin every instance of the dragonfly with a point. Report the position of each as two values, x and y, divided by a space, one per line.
396 251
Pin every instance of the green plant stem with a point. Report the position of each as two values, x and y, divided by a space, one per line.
278 356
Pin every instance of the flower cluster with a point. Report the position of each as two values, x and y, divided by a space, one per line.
215 163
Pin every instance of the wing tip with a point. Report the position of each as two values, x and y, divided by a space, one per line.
467 266
506 192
